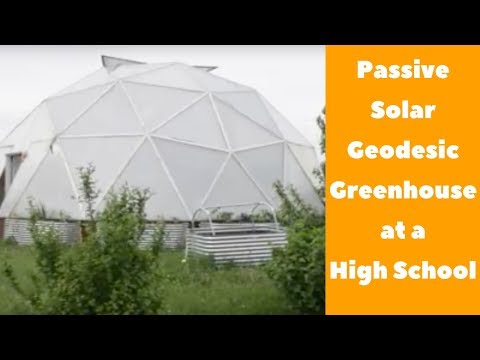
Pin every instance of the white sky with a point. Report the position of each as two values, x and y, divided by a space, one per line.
291 77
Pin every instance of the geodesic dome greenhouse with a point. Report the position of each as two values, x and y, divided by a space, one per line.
193 138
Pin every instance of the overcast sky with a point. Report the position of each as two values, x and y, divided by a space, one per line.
292 78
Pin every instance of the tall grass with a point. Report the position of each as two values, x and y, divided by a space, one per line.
194 287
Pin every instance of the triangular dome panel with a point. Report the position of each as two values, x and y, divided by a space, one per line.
125 71
169 76
145 171
265 165
65 109
289 132
36 126
111 114
108 155
297 177
156 104
197 125
241 131
52 192
17 133
234 187
212 82
307 157
184 162
249 104
99 77
41 126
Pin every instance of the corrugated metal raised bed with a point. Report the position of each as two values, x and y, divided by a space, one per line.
236 243
18 230
240 246
70 232
174 236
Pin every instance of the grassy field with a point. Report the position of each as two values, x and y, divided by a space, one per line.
190 288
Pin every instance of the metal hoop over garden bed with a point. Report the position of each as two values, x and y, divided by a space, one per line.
238 244
255 206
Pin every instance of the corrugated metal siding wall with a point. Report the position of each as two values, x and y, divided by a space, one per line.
174 236
17 229
225 247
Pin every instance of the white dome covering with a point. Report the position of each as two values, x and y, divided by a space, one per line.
193 138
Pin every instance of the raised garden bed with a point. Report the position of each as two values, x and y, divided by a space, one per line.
240 246
18 230
71 231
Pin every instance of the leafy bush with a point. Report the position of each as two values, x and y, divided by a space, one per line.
321 172
89 192
9 241
293 208
107 273
38 211
48 251
158 238
298 269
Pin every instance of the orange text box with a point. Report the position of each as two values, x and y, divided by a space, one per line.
354 226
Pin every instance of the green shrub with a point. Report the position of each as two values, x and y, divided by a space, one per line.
299 268
107 273
293 208
158 238
10 241
37 211
321 172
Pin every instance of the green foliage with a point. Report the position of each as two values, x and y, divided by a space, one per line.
47 256
321 172
293 208
10 276
49 250
299 268
40 212
322 125
158 238
263 216
108 273
224 217
89 192
193 287
37 211
10 241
